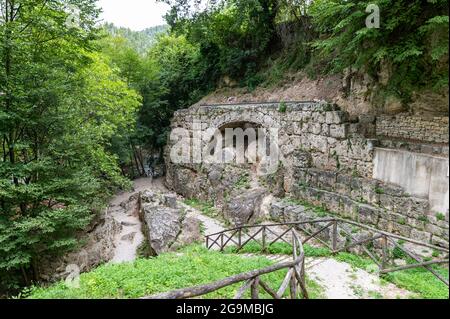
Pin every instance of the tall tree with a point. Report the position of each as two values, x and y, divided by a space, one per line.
60 104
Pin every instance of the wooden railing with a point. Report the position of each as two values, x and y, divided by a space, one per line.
239 237
294 279
265 236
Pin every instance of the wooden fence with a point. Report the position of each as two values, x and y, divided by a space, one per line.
295 279
265 236
382 257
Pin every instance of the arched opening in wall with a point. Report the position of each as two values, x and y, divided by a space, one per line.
242 143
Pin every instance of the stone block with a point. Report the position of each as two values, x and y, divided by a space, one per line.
368 214
441 242
277 211
422 236
339 131
336 117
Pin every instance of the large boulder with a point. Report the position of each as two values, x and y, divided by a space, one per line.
162 227
245 208
191 232
166 226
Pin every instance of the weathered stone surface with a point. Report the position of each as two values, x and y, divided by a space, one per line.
411 127
339 131
190 233
150 197
368 214
170 200
336 117
245 208
99 249
163 225
301 159
420 236
327 159
277 211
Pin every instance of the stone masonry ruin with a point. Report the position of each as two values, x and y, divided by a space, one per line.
387 172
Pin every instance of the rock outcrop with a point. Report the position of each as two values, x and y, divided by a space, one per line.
245 208
98 249
166 226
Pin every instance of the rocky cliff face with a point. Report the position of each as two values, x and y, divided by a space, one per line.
354 92
98 249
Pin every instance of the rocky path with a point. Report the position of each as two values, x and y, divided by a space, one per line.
340 280
123 209
210 225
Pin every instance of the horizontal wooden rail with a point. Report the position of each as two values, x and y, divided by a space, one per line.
252 280
208 288
295 277
376 235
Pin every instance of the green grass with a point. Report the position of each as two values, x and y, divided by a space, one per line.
243 182
195 266
280 248
206 208
421 281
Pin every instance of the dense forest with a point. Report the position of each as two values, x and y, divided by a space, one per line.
140 41
81 105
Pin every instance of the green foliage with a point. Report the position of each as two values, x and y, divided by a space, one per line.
205 207
60 105
243 182
423 218
192 266
282 108
421 281
234 35
279 248
140 41
412 41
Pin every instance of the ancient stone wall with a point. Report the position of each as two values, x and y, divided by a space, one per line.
405 126
372 202
326 158
421 175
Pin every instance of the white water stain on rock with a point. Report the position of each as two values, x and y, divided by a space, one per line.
123 208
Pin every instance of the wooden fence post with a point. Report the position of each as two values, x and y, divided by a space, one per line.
264 238
385 253
334 236
293 288
240 238
255 288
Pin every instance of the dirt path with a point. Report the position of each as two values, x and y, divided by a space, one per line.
128 240
340 280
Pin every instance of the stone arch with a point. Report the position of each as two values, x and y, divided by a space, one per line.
250 116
